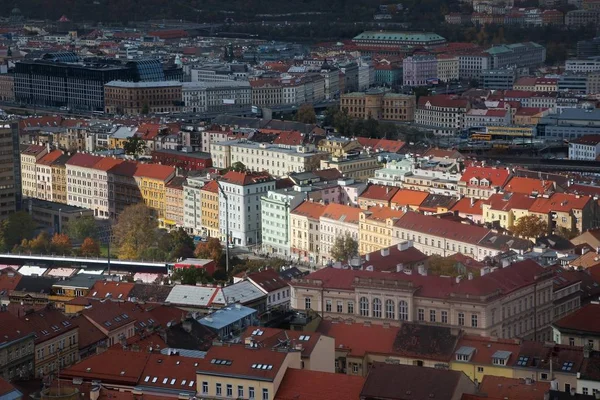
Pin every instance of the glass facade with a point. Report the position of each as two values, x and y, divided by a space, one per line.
147 70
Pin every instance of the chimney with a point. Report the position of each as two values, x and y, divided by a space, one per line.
399 267
586 351
573 392
470 276
385 252
528 381
187 326
422 270
367 257
472 201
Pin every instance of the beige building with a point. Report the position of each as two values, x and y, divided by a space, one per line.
338 146
17 351
136 98
209 195
337 221
377 104
361 167
564 210
376 228
29 158
10 192
7 88
447 68
44 175
59 179
174 203
304 222
490 305
266 92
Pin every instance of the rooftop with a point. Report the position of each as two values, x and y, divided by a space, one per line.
227 316
322 385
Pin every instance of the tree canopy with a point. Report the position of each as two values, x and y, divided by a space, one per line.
15 229
81 228
135 231
306 114
134 146
344 248
211 249
530 226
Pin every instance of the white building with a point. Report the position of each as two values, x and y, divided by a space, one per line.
192 205
337 220
270 283
444 115
275 211
393 173
240 215
216 96
585 148
82 187
471 65
582 65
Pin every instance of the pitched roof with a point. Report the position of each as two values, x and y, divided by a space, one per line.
468 206
211 186
89 334
444 101
115 290
289 138
586 319
590 260
128 370
309 209
9 279
8 391
442 153
246 178
563 202
498 387
435 226
272 337
417 382
108 315
382 213
351 337
496 176
435 200
389 258
83 160
379 192
509 201
302 384
406 197
49 158
242 362
47 324
268 280
154 171
590 140
342 213
428 342
13 328
518 184
107 164
33 150
390 146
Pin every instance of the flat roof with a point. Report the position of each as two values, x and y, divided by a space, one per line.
123 84
227 316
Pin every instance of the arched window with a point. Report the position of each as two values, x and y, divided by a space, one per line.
403 310
390 311
364 306
376 308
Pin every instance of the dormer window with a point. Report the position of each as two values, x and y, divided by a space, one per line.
464 353
474 181
501 357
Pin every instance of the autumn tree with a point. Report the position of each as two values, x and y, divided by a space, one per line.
344 248
89 248
306 114
38 245
237 166
134 146
17 227
135 231
530 226
438 265
212 249
180 244
61 244
82 228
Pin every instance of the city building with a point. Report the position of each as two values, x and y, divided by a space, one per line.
219 96
123 185
384 39
448 67
266 92
210 216
17 349
356 167
305 236
482 182
174 203
569 124
419 70
379 105
582 65
498 79
44 175
582 17
7 87
472 64
527 54
182 160
30 156
10 156
80 171
273 286
578 328
192 205
152 180
219 72
585 148
275 209
240 206
572 212
337 221
441 113
138 98
376 228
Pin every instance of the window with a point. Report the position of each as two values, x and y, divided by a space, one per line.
328 305
584 390
218 389
364 306
265 394
474 320
498 361
339 307
390 312
403 310
461 319
307 303
431 315
376 308
571 341
355 368
444 317
240 392
479 369
229 390
251 393
421 314
544 377
350 307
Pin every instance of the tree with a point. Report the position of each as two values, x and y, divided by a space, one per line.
39 245
566 232
344 248
342 122
439 265
212 249
81 228
306 114
89 248
191 276
15 229
135 231
181 244
237 166
61 244
145 109
134 146
530 226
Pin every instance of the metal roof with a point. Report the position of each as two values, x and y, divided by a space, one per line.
243 292
502 354
202 296
465 350
227 316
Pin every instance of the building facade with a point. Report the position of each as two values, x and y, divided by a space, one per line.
379 105
137 98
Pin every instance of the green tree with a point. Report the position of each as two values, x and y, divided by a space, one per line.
135 231
530 226
182 244
38 245
211 249
134 146
344 248
237 166
81 228
191 276
566 232
145 109
438 265
342 122
15 229
306 114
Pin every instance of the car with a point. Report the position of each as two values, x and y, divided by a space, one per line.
231 245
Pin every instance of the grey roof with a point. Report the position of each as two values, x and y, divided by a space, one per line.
184 352
153 84
243 292
202 296
502 354
81 280
227 316
465 350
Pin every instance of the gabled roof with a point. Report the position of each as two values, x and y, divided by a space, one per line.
114 290
562 202
268 280
155 171
83 160
518 184
47 324
49 158
13 328
108 315
351 337
406 197
242 362
498 387
89 334
496 176
382 213
302 384
199 296
33 150
309 209
509 201
585 320
379 192
289 138
468 206
107 164
341 213
246 178
426 341
211 186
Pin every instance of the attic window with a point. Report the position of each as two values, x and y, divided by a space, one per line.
120 295
143 324
45 332
522 361
173 381
191 384
567 366
147 378
88 369
183 382
257 332
117 319
66 323
94 294
108 323
165 380
305 338
122 373
154 379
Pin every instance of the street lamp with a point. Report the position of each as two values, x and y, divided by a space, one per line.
59 220
226 225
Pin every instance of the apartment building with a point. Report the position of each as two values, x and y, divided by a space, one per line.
527 54
436 235
174 203
104 198
275 209
337 221
302 89
240 206
123 185
266 92
357 167
505 209
81 191
137 98
448 67
29 159
379 104
441 113
574 212
419 70
376 228
209 218
56 341
220 96
152 180
192 204
510 302
44 175
585 148
17 350
277 160
471 65
482 182
10 192
305 234
59 179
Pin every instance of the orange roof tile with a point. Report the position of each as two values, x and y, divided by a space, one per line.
496 176
379 192
498 387
211 186
563 202
107 163
309 209
524 185
342 213
485 347
468 206
155 171
406 197
383 213
509 201
301 384
49 158
246 178
115 290
351 337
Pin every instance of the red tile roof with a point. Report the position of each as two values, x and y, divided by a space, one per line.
49 158
116 290
434 226
389 258
271 337
34 150
47 324
563 202
498 387
518 184
83 160
351 337
382 213
509 201
586 319
390 146
496 176
242 361
468 206
109 315
590 140
443 153
107 164
485 347
342 213
444 101
155 171
128 370
301 384
289 138
9 279
268 280
89 334
211 186
379 192
406 197
309 209
246 178
13 328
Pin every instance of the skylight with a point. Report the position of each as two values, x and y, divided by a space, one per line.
154 379
191 384
305 338
522 361
567 366
146 379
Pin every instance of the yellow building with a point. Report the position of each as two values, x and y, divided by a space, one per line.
174 205
375 228
243 373
506 208
304 222
511 131
338 147
118 137
209 195
59 179
357 167
479 356
29 158
152 180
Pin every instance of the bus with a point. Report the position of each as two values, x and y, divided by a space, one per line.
481 137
